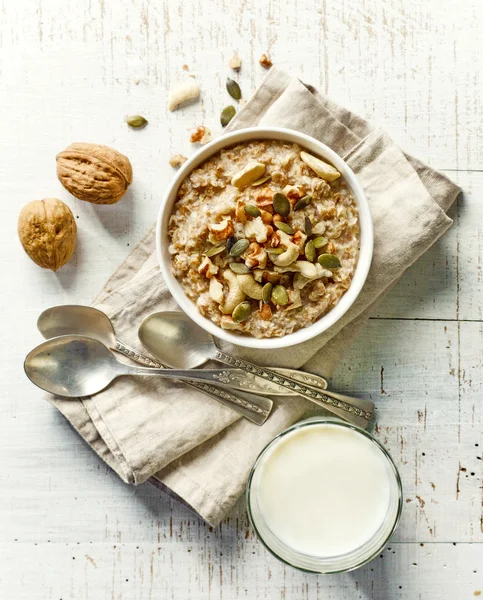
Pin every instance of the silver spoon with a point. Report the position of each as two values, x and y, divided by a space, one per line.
90 322
75 366
177 340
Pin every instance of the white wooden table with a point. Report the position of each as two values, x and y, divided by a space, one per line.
69 528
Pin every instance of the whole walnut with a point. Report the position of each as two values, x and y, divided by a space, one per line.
94 173
48 232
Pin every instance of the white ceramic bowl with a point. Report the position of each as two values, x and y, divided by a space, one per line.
366 241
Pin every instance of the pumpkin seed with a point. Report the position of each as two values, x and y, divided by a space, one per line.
285 227
303 202
136 121
252 210
279 295
310 253
227 115
214 250
239 247
241 312
267 292
319 242
230 242
281 204
275 250
308 225
233 89
329 261
239 268
261 180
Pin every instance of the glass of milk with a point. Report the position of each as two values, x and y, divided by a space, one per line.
324 496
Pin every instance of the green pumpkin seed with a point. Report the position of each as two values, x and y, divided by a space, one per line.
285 227
279 295
310 253
241 312
303 202
275 250
214 250
308 225
267 292
320 241
252 210
281 204
233 89
230 242
329 261
239 247
136 121
239 268
261 180
227 115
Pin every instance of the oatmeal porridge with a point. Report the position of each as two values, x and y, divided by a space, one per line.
264 238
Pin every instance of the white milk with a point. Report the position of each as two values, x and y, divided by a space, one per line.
324 490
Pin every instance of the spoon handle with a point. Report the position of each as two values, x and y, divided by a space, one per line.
253 408
350 409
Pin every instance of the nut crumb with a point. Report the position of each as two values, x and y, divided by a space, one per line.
201 135
185 68
265 61
235 62
177 160
136 81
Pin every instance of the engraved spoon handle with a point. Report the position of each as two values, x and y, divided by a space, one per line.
350 411
251 407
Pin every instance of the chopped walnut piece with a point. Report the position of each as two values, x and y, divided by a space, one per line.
207 268
264 198
201 135
177 160
257 229
255 256
235 62
293 193
223 230
265 312
265 61
185 68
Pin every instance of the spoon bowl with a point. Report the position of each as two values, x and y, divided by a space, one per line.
71 366
73 319
176 340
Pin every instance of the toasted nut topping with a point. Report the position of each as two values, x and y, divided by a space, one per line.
248 174
201 135
329 261
189 90
321 168
177 160
265 61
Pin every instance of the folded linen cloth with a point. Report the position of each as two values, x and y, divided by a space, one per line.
186 442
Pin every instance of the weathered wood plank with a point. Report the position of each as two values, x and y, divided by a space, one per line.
189 568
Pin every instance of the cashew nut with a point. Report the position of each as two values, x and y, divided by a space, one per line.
216 290
235 293
306 268
286 258
182 92
227 322
300 281
250 287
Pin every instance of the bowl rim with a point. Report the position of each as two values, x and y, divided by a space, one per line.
366 241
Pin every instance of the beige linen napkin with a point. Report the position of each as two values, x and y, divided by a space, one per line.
202 451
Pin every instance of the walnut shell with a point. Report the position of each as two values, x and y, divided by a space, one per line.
94 173
47 231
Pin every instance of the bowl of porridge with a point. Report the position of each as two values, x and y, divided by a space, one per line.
265 237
